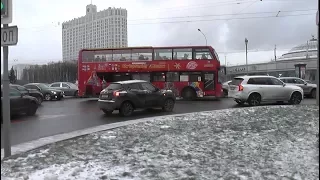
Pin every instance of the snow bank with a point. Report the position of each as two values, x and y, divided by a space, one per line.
275 142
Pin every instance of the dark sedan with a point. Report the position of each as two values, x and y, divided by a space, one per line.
31 92
48 93
21 104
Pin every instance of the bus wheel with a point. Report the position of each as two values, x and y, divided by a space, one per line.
189 94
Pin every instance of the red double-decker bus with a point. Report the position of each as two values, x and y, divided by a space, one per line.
189 71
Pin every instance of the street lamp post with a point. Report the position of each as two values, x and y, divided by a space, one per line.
246 42
203 36
317 76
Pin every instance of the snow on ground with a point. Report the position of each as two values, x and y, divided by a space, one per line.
275 142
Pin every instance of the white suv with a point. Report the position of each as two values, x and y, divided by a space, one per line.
257 89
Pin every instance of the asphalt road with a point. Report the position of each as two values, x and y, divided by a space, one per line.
68 115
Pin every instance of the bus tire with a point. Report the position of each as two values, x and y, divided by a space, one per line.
189 93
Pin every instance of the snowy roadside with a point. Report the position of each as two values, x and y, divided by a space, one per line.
271 142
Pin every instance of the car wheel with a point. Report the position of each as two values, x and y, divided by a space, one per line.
254 99
126 109
313 93
239 102
295 98
189 94
47 97
168 105
40 99
32 109
107 112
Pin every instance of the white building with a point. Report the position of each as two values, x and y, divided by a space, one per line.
104 29
18 68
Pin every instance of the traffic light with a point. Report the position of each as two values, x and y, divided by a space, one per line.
4 8
6 11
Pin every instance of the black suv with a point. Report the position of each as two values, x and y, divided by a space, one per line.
48 93
126 96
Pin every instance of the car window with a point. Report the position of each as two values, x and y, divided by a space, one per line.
114 86
284 80
251 81
65 85
236 81
31 86
55 85
274 81
21 88
14 92
290 81
148 86
134 86
298 81
258 81
43 86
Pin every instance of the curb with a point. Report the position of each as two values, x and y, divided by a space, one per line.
27 146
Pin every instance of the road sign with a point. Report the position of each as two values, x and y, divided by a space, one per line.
9 36
6 11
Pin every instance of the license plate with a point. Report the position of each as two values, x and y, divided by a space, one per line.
104 96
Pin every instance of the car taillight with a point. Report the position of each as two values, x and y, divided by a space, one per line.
116 93
240 87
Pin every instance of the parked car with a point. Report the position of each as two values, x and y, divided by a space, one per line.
31 92
257 89
309 89
126 96
48 93
69 89
20 103
225 88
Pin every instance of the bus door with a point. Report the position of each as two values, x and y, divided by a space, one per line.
208 81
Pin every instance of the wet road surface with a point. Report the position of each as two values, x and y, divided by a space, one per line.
68 115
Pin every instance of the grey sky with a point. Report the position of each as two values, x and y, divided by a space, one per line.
39 23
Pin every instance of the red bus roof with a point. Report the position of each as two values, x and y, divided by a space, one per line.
145 47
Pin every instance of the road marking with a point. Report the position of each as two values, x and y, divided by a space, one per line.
39 118
51 116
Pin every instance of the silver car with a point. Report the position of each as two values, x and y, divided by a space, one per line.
69 89
309 89
256 89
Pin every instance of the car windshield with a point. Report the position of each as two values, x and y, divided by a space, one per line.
43 86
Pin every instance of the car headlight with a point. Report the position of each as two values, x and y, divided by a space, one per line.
53 92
